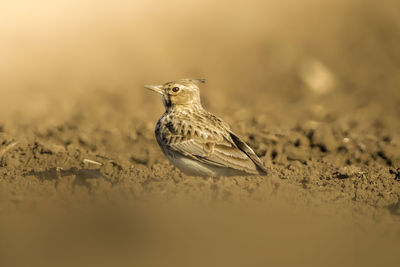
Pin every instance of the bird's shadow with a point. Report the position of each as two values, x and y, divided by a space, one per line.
81 175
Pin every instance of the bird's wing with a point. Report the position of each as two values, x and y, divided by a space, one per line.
249 152
208 139
219 150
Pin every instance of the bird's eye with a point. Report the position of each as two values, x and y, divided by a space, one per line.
175 89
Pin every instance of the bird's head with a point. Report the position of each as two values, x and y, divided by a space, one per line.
184 92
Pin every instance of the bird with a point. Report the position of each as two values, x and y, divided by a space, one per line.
196 141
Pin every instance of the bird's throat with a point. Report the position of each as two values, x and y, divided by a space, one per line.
183 107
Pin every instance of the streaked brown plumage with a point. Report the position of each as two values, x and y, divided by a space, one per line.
196 141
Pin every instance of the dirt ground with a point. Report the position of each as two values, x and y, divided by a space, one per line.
84 183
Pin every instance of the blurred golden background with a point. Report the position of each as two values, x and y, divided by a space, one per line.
54 52
312 85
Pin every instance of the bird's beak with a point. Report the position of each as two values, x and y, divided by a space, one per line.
155 88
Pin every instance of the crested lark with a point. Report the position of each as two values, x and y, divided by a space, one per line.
196 141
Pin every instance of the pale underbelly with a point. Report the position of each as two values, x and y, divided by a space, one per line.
196 168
